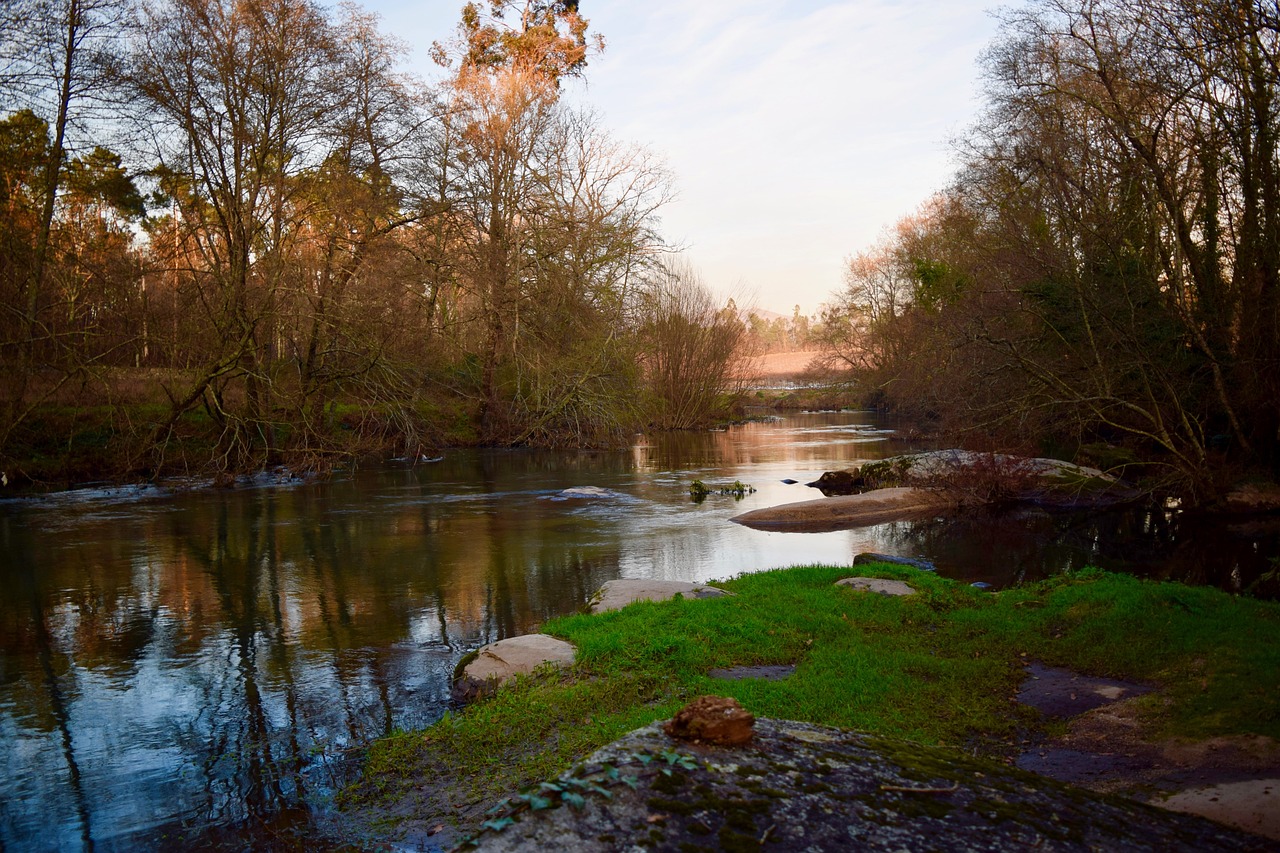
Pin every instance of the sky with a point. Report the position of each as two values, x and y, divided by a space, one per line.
797 132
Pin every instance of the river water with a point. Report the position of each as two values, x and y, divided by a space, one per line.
193 668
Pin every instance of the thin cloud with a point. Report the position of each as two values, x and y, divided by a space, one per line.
797 131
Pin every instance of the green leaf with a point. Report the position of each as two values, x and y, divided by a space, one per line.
498 824
576 801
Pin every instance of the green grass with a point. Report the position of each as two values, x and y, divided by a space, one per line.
940 667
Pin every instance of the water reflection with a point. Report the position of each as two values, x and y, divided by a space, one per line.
191 668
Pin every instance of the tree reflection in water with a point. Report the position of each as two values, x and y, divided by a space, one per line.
195 665
192 668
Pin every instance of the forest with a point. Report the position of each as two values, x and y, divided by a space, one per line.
234 234
1101 276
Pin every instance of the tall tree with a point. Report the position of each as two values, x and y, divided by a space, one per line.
1110 258
271 121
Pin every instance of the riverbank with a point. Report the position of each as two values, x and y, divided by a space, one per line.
939 667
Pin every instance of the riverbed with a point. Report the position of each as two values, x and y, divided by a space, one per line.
196 667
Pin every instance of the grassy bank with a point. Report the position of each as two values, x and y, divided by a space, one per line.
938 667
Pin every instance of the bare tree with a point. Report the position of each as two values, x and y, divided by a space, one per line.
692 351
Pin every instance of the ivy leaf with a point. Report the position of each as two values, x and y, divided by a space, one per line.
576 801
539 803
498 824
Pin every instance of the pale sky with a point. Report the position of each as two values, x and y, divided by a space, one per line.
796 131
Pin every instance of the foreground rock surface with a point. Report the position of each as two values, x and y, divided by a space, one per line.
798 786
502 661
904 503
617 594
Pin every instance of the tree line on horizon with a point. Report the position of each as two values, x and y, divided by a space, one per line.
236 232
1102 275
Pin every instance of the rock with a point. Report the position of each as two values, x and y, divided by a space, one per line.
979 478
871 557
617 594
798 786
718 720
880 585
833 483
841 513
587 492
766 672
1250 805
498 663
1057 692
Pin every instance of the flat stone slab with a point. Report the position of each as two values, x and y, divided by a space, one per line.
1062 693
796 786
764 673
848 511
880 585
498 663
617 594
1252 805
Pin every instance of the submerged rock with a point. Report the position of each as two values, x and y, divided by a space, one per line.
585 492
798 786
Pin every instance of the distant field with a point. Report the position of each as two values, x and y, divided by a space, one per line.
780 364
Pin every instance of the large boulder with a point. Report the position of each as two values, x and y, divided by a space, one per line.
497 663
796 786
617 594
980 478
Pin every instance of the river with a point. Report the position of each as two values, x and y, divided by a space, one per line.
193 668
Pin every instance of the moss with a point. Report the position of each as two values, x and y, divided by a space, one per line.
737 842
463 663
673 783
917 806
